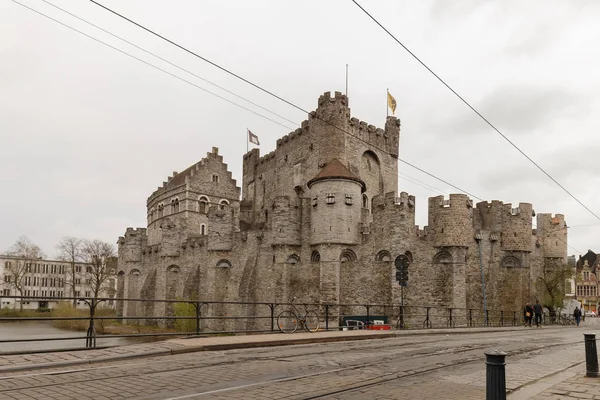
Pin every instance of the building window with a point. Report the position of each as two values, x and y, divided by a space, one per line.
348 255
78 281
203 229
383 255
222 204
315 200
443 258
349 199
293 259
161 210
586 275
223 264
330 199
203 203
315 257
174 206
215 178
87 294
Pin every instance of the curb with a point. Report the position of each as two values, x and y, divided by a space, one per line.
247 345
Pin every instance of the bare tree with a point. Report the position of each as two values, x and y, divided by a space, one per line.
70 249
100 270
24 253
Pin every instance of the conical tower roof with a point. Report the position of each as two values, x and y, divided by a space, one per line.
336 170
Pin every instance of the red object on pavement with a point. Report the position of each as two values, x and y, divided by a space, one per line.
379 327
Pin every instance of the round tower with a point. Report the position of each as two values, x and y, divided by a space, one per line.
451 221
336 195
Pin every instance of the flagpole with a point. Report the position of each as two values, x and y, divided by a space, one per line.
247 140
346 80
387 99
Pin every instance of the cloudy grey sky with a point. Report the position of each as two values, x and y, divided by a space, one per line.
87 133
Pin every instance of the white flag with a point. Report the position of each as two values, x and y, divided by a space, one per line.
253 138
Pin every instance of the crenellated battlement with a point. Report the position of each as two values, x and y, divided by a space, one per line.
392 199
451 220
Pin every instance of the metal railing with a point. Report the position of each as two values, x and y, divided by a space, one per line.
190 317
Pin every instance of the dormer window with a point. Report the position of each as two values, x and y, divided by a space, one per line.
330 199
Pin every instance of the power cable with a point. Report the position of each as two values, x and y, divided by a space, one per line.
154 66
169 62
114 48
474 110
175 76
271 93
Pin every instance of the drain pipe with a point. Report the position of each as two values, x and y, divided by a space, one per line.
482 277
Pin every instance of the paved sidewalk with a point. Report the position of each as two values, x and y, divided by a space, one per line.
22 362
575 387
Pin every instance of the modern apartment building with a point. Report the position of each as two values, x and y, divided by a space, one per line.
48 279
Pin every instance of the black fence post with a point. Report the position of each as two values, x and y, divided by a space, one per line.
90 338
326 317
470 317
368 313
591 355
495 380
514 318
501 318
487 318
198 305
272 307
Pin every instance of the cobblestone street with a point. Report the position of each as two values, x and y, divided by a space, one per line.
414 367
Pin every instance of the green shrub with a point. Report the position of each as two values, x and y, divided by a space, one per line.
66 309
184 310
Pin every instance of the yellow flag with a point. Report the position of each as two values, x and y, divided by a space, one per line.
392 103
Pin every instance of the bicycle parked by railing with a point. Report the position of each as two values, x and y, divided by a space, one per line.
289 320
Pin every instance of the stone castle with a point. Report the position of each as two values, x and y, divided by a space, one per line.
320 219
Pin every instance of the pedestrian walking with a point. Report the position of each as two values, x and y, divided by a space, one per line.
528 314
577 315
538 311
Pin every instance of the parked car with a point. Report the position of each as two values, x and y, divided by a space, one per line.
591 314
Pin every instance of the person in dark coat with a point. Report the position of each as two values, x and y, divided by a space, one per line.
528 314
577 315
538 311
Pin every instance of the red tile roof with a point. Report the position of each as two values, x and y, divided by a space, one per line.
336 170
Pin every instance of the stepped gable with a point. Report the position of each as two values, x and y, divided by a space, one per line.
336 170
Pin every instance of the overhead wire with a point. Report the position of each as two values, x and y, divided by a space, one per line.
154 66
473 109
272 94
169 62
191 83
161 58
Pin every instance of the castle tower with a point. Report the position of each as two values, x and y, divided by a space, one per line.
552 235
451 226
336 205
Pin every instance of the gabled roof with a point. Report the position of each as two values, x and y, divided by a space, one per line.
336 170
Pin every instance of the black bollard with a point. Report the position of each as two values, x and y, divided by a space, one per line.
591 355
495 382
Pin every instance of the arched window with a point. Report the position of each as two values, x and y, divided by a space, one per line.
135 272
121 274
161 208
203 229
383 255
223 264
443 257
174 269
511 262
222 203
315 257
365 201
409 255
203 203
348 255
175 205
293 259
